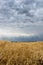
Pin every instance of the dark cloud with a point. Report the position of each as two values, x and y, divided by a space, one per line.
24 38
21 16
28 8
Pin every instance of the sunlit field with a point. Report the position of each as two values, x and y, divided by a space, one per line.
21 53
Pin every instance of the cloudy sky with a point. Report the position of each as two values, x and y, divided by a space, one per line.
21 18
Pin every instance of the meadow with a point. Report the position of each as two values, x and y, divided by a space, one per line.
21 53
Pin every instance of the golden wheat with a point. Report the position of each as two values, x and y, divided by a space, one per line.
21 53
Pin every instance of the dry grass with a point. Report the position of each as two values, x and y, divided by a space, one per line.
21 53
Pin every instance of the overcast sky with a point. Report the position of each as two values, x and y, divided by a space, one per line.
21 18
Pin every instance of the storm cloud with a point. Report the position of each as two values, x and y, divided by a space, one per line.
21 18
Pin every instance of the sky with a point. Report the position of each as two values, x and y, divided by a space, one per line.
21 18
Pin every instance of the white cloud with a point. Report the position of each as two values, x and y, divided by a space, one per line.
13 34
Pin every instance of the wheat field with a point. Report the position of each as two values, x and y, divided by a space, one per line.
21 53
